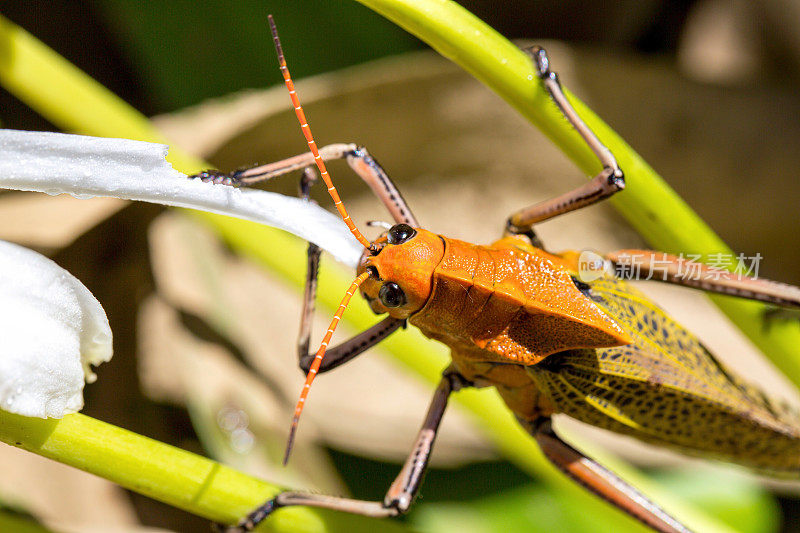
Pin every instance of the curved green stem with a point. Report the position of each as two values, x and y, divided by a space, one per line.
648 203
179 478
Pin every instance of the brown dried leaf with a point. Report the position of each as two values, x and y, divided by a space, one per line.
51 222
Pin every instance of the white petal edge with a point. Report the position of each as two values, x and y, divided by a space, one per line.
85 167
52 331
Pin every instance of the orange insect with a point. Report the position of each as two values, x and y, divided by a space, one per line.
520 319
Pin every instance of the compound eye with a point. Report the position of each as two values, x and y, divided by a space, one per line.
400 233
392 295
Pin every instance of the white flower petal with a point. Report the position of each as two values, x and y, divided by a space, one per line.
84 167
52 330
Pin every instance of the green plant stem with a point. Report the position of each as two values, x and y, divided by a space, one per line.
648 203
10 520
58 90
179 478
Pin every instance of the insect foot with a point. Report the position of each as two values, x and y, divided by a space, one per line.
249 522
215 176
541 61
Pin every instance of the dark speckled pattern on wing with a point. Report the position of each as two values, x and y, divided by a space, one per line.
667 389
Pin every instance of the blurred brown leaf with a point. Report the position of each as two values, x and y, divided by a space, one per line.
51 222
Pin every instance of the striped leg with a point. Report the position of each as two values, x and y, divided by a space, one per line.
605 184
356 156
600 480
661 266
401 492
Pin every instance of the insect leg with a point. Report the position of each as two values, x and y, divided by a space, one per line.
605 184
312 270
600 480
350 348
357 157
660 266
401 492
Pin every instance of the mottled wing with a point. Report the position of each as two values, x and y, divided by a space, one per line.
666 388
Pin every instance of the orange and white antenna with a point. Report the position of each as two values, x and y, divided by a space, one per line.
312 372
298 109
315 365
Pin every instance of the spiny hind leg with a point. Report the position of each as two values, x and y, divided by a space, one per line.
600 480
661 266
401 492
608 182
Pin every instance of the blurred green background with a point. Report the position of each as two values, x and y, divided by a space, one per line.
714 78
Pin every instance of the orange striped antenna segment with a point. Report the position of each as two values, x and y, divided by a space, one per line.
313 145
312 372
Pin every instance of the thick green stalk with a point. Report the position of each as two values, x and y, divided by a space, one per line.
174 476
179 478
67 97
648 203
18 523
